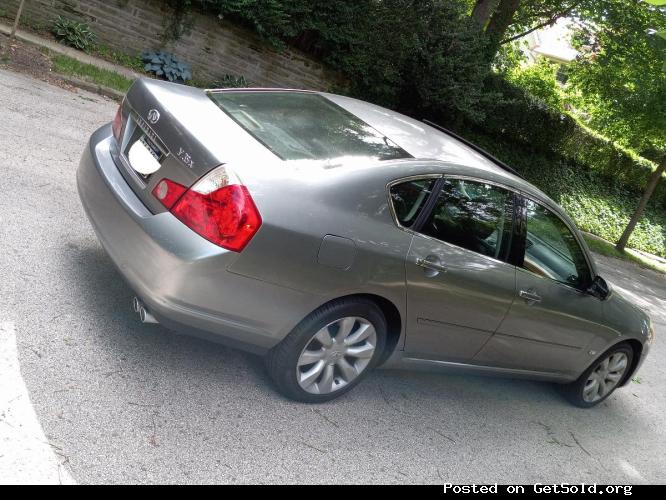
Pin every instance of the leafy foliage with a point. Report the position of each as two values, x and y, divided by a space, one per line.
167 66
539 12
431 59
597 203
276 21
523 119
540 80
74 34
622 79
419 56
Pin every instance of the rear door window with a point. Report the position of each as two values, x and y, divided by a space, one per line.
473 215
409 198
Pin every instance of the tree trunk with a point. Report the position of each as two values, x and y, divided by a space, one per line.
500 22
16 21
482 11
652 184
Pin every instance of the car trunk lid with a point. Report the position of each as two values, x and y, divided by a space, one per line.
176 132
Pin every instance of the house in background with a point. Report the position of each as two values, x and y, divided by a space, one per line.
553 43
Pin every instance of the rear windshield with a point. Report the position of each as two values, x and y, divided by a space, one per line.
303 126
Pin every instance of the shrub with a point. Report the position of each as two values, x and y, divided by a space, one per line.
74 34
166 66
410 55
520 117
540 80
597 204
416 56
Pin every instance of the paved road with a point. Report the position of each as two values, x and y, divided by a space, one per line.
123 402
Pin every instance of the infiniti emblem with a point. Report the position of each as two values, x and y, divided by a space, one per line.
153 116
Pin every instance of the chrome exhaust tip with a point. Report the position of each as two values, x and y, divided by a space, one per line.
146 317
136 305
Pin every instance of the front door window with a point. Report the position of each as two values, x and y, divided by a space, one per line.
551 249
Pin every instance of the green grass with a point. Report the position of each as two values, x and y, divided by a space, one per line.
68 66
132 62
606 248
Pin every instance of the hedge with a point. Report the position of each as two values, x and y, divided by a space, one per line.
522 118
596 203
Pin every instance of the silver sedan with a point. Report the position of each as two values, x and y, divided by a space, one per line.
334 236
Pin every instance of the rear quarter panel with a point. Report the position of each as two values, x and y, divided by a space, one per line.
300 207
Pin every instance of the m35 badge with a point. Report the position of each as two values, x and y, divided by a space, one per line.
186 158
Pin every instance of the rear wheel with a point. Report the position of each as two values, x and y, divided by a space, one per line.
329 352
602 378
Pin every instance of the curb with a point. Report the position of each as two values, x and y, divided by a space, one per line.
58 48
91 87
657 258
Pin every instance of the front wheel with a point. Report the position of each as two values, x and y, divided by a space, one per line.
602 378
329 352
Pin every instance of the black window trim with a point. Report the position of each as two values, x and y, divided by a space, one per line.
402 180
517 251
429 205
432 200
475 147
522 241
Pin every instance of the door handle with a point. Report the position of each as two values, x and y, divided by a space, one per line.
530 296
429 264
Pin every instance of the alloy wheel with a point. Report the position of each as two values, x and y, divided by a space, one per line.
336 355
605 377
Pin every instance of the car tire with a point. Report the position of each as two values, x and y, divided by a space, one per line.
585 392
314 364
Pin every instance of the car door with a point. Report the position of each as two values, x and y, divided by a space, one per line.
553 318
459 283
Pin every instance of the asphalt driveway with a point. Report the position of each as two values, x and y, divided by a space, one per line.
119 401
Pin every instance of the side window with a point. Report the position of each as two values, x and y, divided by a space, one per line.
551 249
408 199
473 215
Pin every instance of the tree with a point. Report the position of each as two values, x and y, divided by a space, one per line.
482 11
17 19
504 21
540 14
622 82
500 21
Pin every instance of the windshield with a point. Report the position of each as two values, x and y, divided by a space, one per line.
305 126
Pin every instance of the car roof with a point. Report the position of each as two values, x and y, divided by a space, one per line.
417 138
435 150
425 142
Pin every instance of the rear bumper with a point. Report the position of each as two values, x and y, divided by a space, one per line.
181 277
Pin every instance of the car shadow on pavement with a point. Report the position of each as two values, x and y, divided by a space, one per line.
108 299
108 304
124 399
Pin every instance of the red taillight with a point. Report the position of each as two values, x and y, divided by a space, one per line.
216 207
118 123
168 192
227 217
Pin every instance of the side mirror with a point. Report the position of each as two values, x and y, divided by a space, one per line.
599 288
